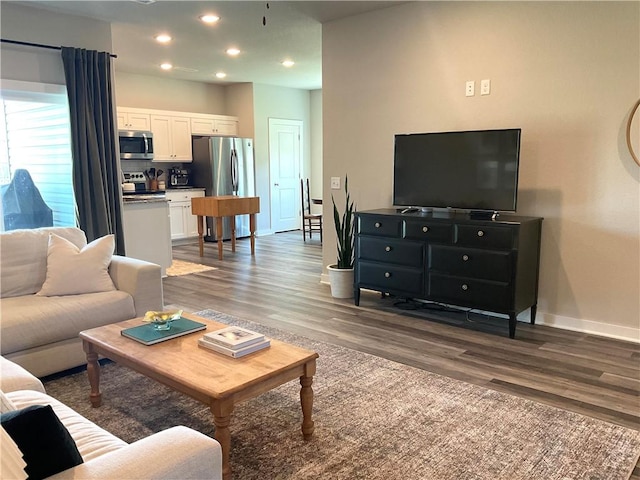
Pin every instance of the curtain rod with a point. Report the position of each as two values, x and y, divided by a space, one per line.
39 45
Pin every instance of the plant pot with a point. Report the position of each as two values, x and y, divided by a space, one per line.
341 280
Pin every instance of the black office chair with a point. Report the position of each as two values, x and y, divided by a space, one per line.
311 222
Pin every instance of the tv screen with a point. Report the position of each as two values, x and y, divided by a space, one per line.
475 170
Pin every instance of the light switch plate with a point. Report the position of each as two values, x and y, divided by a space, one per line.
470 88
335 183
485 86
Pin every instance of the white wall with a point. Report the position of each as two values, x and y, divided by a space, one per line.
276 102
39 26
142 91
565 72
315 174
239 99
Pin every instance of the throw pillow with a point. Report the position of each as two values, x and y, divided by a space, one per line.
46 445
73 271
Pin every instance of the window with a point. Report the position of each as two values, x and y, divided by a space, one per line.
35 137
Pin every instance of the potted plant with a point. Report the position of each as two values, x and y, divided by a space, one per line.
341 273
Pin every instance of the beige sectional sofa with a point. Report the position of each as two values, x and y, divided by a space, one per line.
40 332
175 453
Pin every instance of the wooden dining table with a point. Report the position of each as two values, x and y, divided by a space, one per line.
222 206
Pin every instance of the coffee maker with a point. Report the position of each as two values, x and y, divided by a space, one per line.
179 177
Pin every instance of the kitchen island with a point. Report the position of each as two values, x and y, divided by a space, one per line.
225 206
147 229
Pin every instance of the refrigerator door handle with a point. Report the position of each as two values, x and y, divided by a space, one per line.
234 171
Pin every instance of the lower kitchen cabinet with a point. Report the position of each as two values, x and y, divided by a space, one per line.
484 264
147 234
183 223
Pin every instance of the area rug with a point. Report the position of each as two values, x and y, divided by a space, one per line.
374 419
180 267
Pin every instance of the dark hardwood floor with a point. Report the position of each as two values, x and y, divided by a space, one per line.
280 287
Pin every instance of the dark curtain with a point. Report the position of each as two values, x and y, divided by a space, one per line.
93 143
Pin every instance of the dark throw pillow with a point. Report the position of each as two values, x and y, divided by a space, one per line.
46 444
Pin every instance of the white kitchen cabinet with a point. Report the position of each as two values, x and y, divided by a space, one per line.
171 138
212 125
183 223
133 120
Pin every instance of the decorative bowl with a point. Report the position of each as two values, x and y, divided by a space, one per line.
162 320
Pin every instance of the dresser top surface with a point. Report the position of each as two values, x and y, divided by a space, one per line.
454 216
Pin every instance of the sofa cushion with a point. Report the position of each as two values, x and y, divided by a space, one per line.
72 270
45 443
23 258
14 377
11 462
91 440
6 405
32 321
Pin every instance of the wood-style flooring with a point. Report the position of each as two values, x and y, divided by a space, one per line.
280 287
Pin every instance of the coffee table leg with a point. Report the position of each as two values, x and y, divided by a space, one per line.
222 418
306 399
93 371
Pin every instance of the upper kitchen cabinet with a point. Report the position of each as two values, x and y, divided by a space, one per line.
214 125
133 120
171 138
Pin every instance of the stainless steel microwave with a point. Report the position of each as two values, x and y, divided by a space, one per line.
135 145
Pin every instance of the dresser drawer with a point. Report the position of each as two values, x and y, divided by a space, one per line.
428 231
389 278
468 262
382 225
388 250
485 237
487 295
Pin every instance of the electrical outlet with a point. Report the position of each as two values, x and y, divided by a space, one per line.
335 183
485 87
470 89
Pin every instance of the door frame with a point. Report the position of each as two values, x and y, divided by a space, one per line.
272 121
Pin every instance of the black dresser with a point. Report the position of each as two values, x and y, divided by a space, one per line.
484 264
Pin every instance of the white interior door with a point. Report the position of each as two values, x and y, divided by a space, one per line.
285 156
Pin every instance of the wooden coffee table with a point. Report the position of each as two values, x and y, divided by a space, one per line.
209 377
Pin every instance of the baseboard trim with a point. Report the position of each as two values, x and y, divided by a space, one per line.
589 327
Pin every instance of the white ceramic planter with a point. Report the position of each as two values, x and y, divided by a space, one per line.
341 280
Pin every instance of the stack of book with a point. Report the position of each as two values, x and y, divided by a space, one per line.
234 341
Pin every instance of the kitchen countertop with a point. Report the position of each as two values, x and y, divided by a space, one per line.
137 199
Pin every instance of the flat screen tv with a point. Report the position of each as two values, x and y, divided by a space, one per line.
475 170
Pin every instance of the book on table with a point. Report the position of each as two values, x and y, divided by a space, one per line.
233 338
148 335
234 352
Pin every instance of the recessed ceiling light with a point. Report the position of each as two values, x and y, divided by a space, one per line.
233 51
144 2
221 74
288 63
166 66
163 38
209 18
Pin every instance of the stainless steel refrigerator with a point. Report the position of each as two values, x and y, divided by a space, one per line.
224 166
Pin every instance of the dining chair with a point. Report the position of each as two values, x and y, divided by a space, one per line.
311 222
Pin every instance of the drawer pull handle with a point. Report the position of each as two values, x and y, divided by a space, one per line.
425 229
387 274
465 257
480 233
378 225
465 287
387 249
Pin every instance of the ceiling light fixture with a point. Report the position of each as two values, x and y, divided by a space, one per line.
209 18
166 66
163 38
288 63
221 75
233 51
